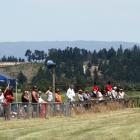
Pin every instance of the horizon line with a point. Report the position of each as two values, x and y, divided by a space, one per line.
68 41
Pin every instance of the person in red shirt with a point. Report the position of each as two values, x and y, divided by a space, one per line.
9 98
95 88
108 88
8 94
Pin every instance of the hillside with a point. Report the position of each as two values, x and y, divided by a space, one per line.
28 69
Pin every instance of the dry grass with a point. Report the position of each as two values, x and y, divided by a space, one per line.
111 125
102 107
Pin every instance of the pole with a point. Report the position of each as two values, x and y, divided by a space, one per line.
53 77
16 92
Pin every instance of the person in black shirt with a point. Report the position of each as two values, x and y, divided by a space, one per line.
34 101
25 101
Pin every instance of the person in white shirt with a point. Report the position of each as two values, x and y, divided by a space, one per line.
121 94
49 94
1 102
70 94
1 96
114 93
99 95
80 95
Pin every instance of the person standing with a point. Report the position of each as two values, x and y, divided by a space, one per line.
34 100
95 89
50 99
108 88
9 98
58 97
1 102
49 94
58 100
25 101
86 96
42 106
70 94
80 95
121 94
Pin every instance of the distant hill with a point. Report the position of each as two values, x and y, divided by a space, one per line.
18 48
28 69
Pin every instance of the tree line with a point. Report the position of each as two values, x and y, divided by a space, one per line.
11 59
117 65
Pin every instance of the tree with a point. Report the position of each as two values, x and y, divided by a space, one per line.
28 54
21 78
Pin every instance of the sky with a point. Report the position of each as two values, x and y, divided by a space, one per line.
69 20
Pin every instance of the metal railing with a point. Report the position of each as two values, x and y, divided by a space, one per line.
21 110
34 110
135 101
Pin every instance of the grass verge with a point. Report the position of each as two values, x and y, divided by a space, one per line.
113 125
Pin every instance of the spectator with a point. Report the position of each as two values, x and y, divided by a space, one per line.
25 101
95 88
49 94
1 96
42 106
86 95
108 88
103 91
121 94
114 93
8 94
99 95
9 98
80 96
70 94
1 102
58 97
58 100
34 100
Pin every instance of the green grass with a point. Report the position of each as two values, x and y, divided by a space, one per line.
116 125
133 93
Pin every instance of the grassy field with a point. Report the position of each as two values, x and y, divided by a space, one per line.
116 125
133 93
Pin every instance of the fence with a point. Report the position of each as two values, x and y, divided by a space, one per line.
29 110
135 101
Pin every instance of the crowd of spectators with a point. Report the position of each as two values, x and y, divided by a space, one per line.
109 92
6 98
